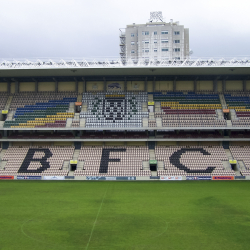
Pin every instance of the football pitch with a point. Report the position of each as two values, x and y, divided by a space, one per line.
124 215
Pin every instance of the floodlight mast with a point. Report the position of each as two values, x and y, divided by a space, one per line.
156 16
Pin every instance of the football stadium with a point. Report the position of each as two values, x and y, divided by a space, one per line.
113 155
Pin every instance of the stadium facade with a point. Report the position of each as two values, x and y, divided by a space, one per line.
108 120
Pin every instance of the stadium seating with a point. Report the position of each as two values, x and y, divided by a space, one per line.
192 161
3 99
188 110
38 110
240 102
242 153
36 160
113 161
119 109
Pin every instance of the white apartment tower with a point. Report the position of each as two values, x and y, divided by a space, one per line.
155 40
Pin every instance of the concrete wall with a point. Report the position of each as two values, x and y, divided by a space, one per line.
81 87
66 86
234 85
247 85
204 85
95 86
135 85
136 143
12 88
46 86
239 143
185 85
219 86
3 87
27 86
164 85
120 88
92 143
166 143
63 143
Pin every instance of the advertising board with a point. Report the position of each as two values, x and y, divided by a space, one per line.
54 178
198 178
29 177
240 177
6 177
171 178
222 178
69 177
110 178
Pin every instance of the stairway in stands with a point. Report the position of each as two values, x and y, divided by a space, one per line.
228 165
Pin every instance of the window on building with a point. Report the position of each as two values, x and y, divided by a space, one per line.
177 58
164 49
177 32
155 32
164 32
132 43
164 41
176 41
132 34
177 50
146 50
132 51
146 42
155 41
155 50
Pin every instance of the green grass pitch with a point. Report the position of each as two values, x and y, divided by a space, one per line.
124 215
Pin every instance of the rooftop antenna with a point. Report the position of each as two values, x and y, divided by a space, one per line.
156 16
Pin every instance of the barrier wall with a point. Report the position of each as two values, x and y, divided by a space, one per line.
151 86
27 86
126 178
3 86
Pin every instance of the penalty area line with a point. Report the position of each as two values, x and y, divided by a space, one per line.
96 219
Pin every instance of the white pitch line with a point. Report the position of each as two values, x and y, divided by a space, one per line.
96 220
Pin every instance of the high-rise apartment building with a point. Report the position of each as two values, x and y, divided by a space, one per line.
155 40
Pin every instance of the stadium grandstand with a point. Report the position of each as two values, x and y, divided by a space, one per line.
83 119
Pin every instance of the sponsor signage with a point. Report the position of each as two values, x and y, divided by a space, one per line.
154 177
226 110
171 178
4 111
153 162
233 161
110 178
54 177
29 177
95 178
221 178
198 178
73 161
240 177
151 103
6 177
69 177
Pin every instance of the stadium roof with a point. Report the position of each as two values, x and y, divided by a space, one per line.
76 68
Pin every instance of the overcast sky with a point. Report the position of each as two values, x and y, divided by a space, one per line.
90 29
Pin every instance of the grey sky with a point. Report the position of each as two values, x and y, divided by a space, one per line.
90 29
